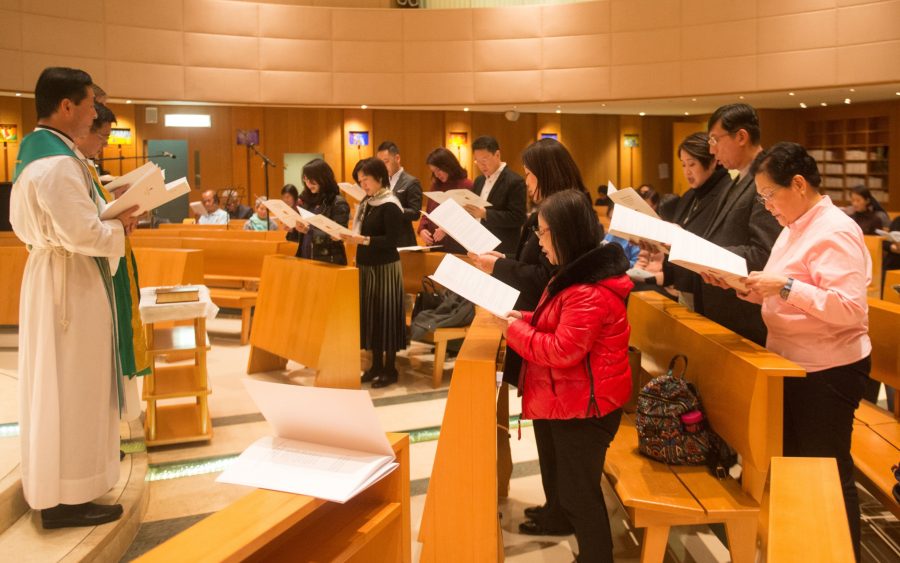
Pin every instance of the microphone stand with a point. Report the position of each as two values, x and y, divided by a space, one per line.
267 162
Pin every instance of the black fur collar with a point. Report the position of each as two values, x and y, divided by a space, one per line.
606 261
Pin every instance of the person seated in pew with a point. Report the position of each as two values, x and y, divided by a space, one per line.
260 220
549 169
233 205
214 214
866 211
813 296
290 196
322 197
575 376
377 227
446 174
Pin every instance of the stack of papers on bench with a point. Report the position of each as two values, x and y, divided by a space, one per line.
147 189
328 443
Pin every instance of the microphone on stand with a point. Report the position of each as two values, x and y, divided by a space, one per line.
168 154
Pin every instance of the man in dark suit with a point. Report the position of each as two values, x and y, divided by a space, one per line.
406 187
503 189
741 224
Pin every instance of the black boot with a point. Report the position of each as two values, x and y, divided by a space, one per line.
387 377
74 515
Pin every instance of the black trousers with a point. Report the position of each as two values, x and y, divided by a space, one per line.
818 422
577 450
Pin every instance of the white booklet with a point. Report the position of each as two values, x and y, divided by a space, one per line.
481 289
352 190
461 196
328 443
198 209
464 228
634 225
699 255
147 194
629 198
893 236
285 213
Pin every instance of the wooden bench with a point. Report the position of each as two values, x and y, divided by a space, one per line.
889 294
740 384
439 338
876 435
803 502
275 526
242 299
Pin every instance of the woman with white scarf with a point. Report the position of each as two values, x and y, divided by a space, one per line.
377 228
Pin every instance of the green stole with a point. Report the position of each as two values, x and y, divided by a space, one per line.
43 144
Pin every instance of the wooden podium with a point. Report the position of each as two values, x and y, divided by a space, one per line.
460 521
307 311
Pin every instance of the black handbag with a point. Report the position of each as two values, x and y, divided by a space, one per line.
428 298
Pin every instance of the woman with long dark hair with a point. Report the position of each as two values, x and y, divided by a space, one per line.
866 211
446 174
322 197
575 375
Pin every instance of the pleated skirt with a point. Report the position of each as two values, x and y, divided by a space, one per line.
382 323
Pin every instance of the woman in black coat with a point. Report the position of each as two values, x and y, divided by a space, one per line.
322 197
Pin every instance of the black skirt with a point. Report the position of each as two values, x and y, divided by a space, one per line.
382 323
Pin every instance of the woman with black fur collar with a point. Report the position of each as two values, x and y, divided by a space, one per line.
575 375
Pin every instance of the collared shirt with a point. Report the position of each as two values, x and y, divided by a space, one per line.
217 217
490 181
824 322
395 178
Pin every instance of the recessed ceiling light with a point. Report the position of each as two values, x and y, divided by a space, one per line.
853 89
18 94
790 93
364 106
465 109
824 104
127 101
559 111
846 100
802 105
603 105
898 93
687 113
642 114
693 99
740 97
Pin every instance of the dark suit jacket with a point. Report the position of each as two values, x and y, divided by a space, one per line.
506 215
743 226
409 191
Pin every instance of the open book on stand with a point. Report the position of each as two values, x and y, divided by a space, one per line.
328 443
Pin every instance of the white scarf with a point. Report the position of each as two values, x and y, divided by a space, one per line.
382 196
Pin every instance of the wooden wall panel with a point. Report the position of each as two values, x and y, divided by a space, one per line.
513 136
416 133
11 113
593 141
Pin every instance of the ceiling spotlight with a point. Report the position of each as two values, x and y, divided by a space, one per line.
693 99
802 105
898 93
853 89
465 109
364 106
846 100
603 105
824 104
687 113
127 101
790 93
18 94
740 97
642 114
559 111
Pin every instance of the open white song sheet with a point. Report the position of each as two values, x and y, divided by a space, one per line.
149 193
464 228
893 236
634 225
461 196
481 289
629 198
328 226
328 443
699 255
284 213
352 190
198 209
418 248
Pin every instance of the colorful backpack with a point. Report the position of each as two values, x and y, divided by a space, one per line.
662 434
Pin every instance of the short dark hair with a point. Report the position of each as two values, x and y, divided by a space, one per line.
374 168
292 190
697 147
389 146
553 167
318 171
104 116
735 117
574 227
445 160
782 161
485 143
650 195
57 84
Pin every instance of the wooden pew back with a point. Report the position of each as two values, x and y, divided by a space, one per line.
417 265
739 382
884 331
889 294
169 266
12 268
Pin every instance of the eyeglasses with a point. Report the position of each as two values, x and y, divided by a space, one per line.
766 198
714 139
539 231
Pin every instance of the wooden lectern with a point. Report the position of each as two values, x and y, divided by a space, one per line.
307 311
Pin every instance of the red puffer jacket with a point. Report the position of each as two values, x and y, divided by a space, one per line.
581 314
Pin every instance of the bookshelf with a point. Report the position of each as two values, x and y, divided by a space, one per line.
851 151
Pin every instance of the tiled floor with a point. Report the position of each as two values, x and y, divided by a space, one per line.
176 503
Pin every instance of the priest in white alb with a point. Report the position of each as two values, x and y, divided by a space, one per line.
69 384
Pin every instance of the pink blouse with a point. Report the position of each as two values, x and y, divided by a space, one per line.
824 323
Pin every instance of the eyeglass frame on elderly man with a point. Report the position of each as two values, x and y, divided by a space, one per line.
713 140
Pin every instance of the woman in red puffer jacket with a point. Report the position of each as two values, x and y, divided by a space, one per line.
575 375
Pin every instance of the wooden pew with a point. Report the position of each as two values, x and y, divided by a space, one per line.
889 294
460 521
308 311
12 268
740 384
874 244
876 437
273 526
803 512
417 265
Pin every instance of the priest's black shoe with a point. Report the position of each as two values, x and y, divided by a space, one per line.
368 375
534 512
74 515
388 377
532 528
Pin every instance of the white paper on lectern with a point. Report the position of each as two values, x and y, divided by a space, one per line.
352 190
284 212
328 443
465 229
461 196
198 209
634 225
699 255
481 289
147 195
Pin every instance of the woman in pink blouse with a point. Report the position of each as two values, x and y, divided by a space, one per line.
813 296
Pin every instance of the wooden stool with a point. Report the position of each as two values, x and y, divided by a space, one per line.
242 299
440 337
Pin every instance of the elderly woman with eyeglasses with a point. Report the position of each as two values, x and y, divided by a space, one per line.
813 296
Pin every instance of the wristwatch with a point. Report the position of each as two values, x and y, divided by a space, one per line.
785 291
